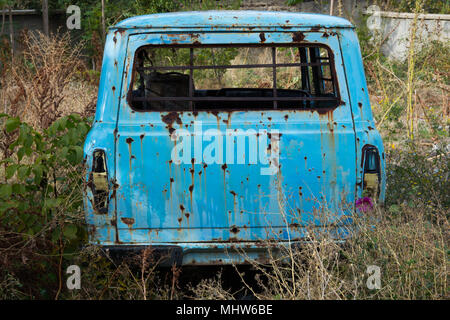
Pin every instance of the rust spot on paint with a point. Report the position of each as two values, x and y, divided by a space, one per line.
120 30
298 36
128 221
170 118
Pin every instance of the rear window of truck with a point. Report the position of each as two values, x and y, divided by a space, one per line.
245 77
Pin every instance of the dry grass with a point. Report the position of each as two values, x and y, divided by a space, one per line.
43 83
410 249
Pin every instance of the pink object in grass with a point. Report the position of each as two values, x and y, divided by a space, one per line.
364 204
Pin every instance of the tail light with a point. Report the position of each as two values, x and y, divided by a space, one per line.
372 172
99 182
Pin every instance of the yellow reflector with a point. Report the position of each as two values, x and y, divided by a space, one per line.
100 181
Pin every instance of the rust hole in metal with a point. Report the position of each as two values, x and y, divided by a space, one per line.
129 140
234 229
262 36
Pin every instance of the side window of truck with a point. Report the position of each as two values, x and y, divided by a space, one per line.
245 77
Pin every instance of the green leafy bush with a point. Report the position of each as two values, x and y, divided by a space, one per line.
41 217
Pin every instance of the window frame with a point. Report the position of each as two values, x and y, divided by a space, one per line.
273 65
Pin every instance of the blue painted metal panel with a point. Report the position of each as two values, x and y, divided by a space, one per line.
365 129
232 20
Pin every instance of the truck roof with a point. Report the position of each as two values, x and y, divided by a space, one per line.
232 19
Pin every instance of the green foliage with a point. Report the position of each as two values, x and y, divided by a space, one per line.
40 198
293 2
429 6
413 175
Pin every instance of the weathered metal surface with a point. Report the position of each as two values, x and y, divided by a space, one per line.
214 20
208 208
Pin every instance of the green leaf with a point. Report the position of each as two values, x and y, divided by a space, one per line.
23 172
12 124
70 231
18 188
51 203
79 153
10 170
21 153
38 172
75 117
55 235
5 191
28 151
28 141
5 205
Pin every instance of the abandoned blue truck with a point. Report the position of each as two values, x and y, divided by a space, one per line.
219 132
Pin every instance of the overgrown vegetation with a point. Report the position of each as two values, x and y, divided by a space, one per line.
41 219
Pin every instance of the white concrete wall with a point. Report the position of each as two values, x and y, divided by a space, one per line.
396 31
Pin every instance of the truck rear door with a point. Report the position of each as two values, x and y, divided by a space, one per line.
233 137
